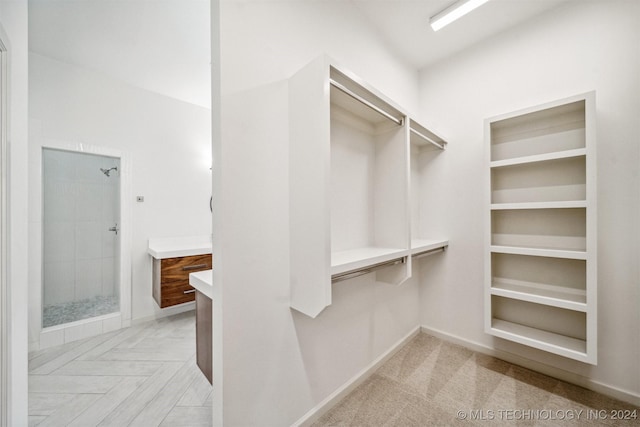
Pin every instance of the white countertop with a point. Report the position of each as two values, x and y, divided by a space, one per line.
172 247
203 282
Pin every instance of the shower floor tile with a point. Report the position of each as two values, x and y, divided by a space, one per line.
58 314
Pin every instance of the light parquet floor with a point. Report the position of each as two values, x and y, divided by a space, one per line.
145 375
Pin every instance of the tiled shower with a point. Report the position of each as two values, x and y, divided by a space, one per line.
81 208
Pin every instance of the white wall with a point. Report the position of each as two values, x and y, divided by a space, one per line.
13 18
277 363
580 47
166 140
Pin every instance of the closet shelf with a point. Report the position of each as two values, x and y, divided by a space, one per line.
540 293
361 258
540 205
423 245
551 253
543 340
578 152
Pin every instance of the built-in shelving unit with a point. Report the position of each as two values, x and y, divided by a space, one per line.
349 200
540 275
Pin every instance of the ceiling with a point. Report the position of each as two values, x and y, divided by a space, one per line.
164 45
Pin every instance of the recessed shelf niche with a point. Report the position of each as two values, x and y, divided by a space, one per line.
541 235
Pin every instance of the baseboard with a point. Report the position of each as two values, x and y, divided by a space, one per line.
570 377
165 312
321 408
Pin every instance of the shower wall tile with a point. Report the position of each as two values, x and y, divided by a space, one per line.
59 282
59 200
89 202
59 165
88 278
108 277
87 168
88 240
109 240
110 201
59 241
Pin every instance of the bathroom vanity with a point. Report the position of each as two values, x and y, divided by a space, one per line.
173 260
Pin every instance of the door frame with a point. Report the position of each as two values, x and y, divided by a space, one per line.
125 230
4 319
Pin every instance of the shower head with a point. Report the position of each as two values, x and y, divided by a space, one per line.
107 172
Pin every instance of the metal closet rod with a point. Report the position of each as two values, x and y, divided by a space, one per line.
425 137
365 102
366 270
429 252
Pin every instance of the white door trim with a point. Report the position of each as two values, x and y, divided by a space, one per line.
4 320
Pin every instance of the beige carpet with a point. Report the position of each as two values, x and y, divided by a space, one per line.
430 382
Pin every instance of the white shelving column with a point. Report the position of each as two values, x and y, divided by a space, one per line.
424 146
541 239
349 173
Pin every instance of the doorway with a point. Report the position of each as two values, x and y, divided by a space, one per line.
80 230
84 286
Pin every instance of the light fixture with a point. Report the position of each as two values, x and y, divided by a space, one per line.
453 12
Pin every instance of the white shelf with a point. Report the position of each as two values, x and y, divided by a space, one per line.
420 136
541 235
360 258
555 296
423 245
578 152
552 253
537 338
540 205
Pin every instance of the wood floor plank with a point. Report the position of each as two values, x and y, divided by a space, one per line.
197 393
67 412
108 402
136 374
71 384
47 403
34 420
158 408
179 354
109 367
70 355
40 357
130 408
188 416
122 336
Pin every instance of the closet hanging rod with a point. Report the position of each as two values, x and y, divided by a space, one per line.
365 102
426 138
366 270
429 252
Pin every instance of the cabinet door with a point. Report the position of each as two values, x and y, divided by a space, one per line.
171 278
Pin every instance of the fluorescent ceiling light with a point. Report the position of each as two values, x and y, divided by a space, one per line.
453 12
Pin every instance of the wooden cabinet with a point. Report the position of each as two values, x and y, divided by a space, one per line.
171 278
349 193
541 240
204 337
